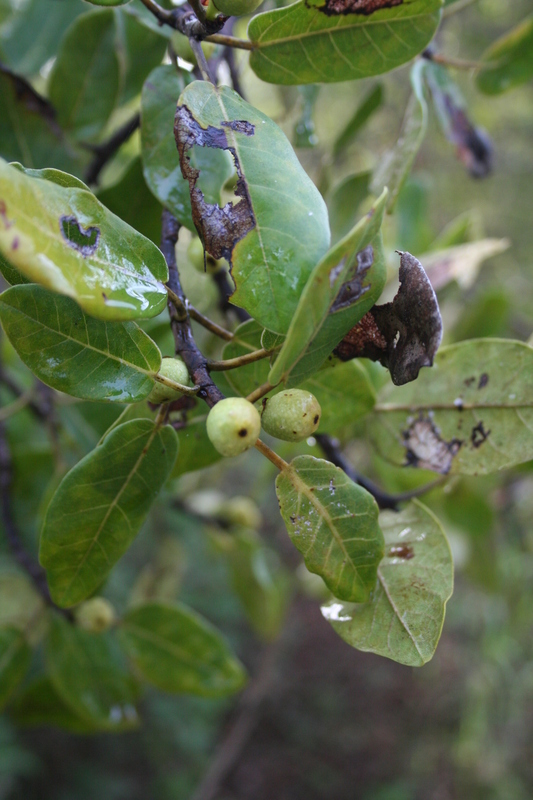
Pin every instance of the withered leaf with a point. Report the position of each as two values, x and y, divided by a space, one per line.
403 335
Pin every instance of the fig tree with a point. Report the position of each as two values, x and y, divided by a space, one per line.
175 370
233 425
291 415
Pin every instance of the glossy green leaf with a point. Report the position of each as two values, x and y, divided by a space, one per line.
31 38
15 656
343 202
317 41
404 616
370 103
178 651
333 523
77 354
259 581
87 672
62 237
11 274
85 80
39 704
100 506
345 394
472 413
509 61
159 154
139 52
313 314
29 131
247 339
394 169
132 201
281 228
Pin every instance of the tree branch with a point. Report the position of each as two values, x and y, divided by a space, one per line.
104 152
186 347
333 453
239 361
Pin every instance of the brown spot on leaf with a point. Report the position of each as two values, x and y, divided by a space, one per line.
479 435
403 335
84 240
353 288
484 379
219 228
3 215
15 243
366 7
402 551
469 381
426 449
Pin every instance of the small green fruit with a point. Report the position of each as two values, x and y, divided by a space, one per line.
237 8
175 369
95 615
233 425
291 415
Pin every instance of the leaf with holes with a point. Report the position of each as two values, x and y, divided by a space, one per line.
158 149
74 353
100 506
333 523
471 414
343 286
279 229
403 618
178 651
315 41
88 672
55 231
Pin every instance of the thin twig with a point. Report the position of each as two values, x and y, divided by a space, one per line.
186 347
332 451
239 361
104 152
230 41
207 323
201 60
271 455
260 392
446 61
225 290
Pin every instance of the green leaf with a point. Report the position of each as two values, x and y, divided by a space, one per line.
88 674
333 523
32 37
62 237
139 51
20 603
316 312
394 169
85 80
315 41
100 506
344 201
404 616
159 154
15 656
29 131
247 338
77 354
370 103
11 274
279 229
39 704
178 651
196 450
345 394
471 414
132 201
509 61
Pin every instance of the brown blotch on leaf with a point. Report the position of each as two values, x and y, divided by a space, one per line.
426 449
479 435
484 379
353 288
366 7
219 228
402 551
84 240
403 335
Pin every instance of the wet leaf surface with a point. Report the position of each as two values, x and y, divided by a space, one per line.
404 616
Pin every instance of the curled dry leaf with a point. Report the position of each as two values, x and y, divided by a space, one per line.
403 335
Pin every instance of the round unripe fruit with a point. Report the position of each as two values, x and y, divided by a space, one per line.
233 425
175 369
291 415
236 8
95 615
